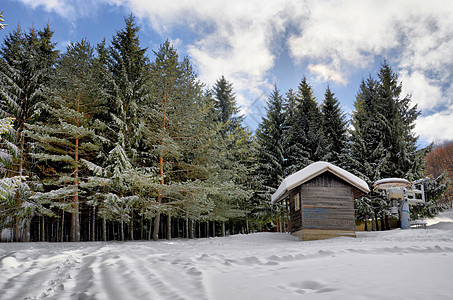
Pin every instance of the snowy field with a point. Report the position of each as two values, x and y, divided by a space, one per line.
410 264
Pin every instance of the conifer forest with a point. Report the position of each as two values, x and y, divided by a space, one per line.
118 142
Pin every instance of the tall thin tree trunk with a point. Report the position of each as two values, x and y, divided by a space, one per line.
131 228
383 222
247 226
186 224
207 229
168 227
62 226
43 230
161 164
104 229
27 229
223 228
376 221
93 224
190 229
366 223
213 228
122 230
75 226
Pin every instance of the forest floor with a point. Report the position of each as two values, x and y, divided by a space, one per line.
397 264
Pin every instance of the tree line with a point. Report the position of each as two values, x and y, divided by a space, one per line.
102 142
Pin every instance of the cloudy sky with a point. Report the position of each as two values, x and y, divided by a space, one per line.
256 44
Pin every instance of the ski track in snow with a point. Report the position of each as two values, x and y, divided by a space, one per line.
415 264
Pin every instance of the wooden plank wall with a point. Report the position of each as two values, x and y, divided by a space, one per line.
296 216
327 203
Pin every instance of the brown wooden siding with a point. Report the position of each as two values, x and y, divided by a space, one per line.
327 203
296 216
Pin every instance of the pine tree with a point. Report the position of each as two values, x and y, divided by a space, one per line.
184 133
305 139
383 144
67 134
399 122
270 160
334 127
124 69
27 59
237 147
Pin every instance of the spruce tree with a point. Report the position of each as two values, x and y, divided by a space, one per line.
237 145
383 143
124 68
305 138
67 135
270 154
183 134
26 63
334 127
398 125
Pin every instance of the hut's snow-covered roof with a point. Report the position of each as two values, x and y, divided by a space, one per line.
312 171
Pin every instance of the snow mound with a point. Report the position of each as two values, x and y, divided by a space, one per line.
442 217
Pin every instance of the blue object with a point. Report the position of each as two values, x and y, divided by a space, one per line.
405 216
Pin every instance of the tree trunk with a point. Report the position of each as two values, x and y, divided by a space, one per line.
131 228
93 224
168 227
150 230
223 228
387 222
382 223
190 229
156 226
62 226
75 226
161 169
376 221
43 231
207 229
213 228
247 230
366 223
186 224
104 229
27 230
122 230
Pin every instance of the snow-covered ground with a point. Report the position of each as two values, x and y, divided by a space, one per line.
398 264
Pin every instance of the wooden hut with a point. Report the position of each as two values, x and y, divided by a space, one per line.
321 201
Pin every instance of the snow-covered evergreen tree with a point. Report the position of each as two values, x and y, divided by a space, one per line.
67 134
383 143
236 143
270 155
27 59
334 127
305 138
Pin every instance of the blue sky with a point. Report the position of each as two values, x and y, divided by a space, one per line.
257 43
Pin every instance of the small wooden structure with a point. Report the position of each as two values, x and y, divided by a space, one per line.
321 201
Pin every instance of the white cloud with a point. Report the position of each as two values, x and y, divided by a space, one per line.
234 38
436 127
61 7
333 38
